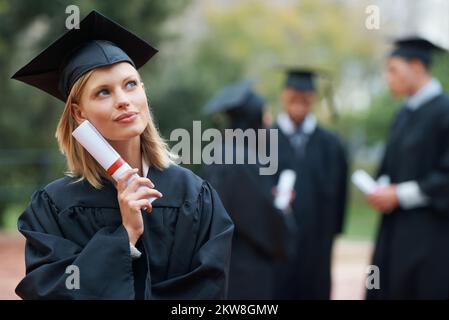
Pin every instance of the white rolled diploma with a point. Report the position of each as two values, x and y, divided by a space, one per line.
364 181
89 137
285 187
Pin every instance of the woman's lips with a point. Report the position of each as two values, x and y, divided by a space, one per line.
128 119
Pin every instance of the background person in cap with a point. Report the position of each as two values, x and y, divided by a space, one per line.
319 160
179 251
412 249
262 233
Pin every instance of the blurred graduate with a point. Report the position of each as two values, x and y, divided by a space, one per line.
263 234
319 160
123 246
412 248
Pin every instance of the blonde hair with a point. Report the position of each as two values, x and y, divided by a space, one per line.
81 164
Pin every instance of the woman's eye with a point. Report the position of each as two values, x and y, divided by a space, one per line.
102 93
131 84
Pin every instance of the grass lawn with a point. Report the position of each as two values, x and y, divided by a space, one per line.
361 222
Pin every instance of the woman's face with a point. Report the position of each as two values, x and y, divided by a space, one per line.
114 101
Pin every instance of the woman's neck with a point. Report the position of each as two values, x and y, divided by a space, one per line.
130 151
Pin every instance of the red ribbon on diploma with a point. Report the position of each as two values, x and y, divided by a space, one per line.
114 167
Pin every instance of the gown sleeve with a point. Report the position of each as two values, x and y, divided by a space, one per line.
207 277
435 185
104 263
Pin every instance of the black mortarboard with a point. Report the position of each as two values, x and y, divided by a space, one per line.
233 96
301 79
98 42
242 105
415 48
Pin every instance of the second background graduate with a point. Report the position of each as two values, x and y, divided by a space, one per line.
319 160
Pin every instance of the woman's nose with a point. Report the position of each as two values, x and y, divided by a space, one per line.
121 99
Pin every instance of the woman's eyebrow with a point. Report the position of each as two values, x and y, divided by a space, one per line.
100 86
133 76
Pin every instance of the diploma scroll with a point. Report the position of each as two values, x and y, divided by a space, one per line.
285 187
89 137
364 181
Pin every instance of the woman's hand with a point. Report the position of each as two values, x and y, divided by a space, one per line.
131 201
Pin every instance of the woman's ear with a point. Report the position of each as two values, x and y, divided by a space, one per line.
78 113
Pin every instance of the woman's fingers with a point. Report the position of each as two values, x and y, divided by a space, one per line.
140 204
135 194
123 179
138 183
145 193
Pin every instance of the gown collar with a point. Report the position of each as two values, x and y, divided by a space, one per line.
288 127
429 91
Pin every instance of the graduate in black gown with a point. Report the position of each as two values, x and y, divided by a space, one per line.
412 248
88 237
263 234
319 160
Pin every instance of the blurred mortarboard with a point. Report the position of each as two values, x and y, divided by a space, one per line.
304 78
414 47
234 96
97 42
301 80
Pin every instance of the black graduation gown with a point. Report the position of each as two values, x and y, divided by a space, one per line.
319 207
263 234
412 248
186 244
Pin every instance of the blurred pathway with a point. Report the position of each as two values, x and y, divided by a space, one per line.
12 266
351 258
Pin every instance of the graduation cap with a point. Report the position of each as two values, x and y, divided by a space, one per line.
237 95
242 105
301 79
98 42
415 48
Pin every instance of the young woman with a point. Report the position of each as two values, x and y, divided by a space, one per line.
87 236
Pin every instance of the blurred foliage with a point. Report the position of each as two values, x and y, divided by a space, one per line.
256 37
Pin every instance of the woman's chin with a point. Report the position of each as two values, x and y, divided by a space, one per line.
127 134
